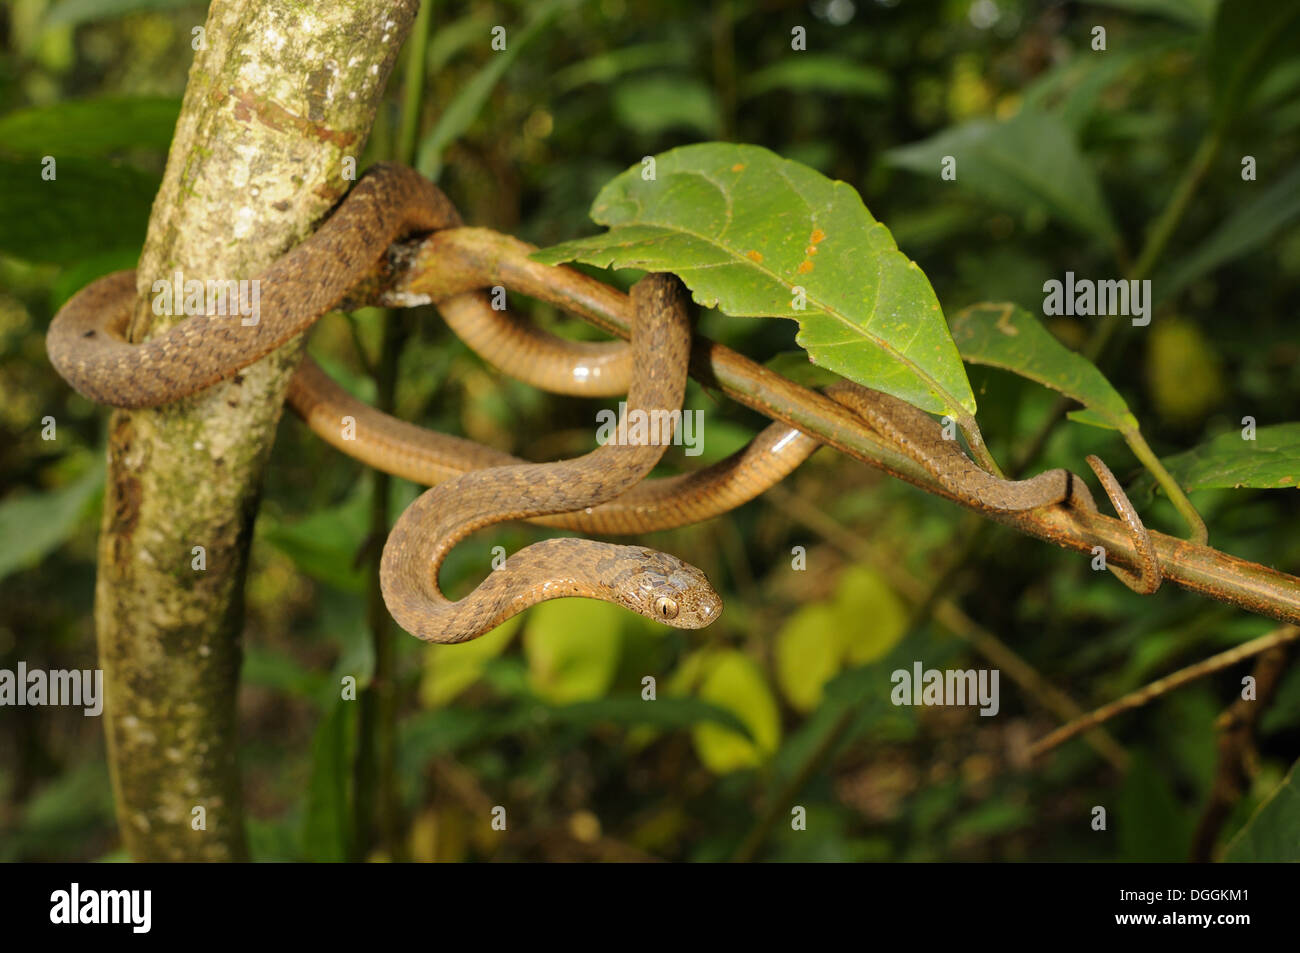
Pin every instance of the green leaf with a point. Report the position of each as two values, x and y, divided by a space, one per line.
1150 823
343 621
1073 89
664 712
733 681
1005 335
796 366
441 731
650 105
452 37
61 816
1269 462
468 103
1193 13
450 669
737 223
34 524
605 67
877 617
990 819
861 623
807 654
1184 371
572 647
327 819
90 127
1091 418
325 545
1272 835
1250 38
1030 164
89 208
73 12
820 73
281 673
72 278
1250 226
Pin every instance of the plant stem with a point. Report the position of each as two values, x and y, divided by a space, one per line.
377 804
1137 443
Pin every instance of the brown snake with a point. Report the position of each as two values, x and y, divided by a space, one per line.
86 345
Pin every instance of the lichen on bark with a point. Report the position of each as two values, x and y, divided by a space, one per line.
280 93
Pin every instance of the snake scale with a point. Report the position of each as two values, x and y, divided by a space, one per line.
604 491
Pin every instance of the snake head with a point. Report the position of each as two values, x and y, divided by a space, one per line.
668 590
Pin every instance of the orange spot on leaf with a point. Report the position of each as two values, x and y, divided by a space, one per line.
805 266
738 167
754 256
816 236
810 250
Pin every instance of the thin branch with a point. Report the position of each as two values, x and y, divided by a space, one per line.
1136 699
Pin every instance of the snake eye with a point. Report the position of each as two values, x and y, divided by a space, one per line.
666 608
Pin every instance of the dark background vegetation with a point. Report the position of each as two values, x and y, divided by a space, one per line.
544 717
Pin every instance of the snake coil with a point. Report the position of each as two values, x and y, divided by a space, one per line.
603 492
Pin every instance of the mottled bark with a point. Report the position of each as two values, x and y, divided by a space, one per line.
283 92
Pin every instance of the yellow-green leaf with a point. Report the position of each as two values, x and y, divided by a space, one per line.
1030 163
808 653
450 669
1183 372
875 618
736 683
572 647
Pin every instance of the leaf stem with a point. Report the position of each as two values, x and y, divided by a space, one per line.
1138 444
975 439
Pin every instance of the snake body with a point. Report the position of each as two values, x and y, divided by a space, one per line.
602 492
654 584
87 342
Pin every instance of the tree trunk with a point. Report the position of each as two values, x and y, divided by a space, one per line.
280 94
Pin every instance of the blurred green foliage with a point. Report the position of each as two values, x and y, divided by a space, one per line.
1071 155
